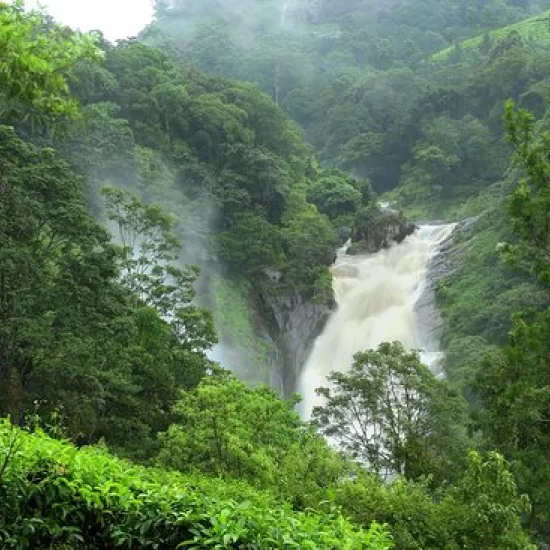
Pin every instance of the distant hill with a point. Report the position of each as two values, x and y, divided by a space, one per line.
533 29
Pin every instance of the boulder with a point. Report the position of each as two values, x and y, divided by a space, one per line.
377 228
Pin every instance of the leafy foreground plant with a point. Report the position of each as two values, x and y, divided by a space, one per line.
53 495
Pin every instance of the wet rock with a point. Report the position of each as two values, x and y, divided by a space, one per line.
446 262
344 233
442 265
293 322
376 228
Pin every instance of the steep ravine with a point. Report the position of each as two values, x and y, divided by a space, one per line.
265 330
293 322
395 299
385 296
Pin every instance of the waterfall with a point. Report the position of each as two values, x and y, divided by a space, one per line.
376 296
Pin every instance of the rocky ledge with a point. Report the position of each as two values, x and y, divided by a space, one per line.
377 228
442 265
293 322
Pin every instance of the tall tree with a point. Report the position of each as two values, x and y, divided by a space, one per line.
529 207
47 244
483 509
225 427
35 55
514 388
392 414
151 268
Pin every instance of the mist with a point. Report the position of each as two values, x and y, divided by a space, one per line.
116 20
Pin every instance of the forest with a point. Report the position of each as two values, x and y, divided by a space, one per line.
161 197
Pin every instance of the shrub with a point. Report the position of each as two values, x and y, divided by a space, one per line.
53 495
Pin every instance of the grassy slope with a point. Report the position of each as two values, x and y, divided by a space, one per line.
244 351
480 295
452 210
478 299
532 29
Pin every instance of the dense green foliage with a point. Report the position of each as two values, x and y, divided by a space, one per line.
33 59
86 328
479 276
76 333
218 150
251 434
248 200
513 388
481 510
362 81
498 352
533 29
226 428
54 496
102 333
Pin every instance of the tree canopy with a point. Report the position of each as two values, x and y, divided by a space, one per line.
123 167
392 414
36 55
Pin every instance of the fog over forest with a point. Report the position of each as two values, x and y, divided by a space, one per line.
275 274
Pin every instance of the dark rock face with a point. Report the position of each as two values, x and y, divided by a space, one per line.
293 322
442 265
447 261
377 228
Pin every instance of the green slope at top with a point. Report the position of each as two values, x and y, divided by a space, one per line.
357 76
534 29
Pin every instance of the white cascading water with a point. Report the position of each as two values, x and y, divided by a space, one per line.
376 296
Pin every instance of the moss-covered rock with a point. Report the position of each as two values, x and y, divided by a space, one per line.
376 228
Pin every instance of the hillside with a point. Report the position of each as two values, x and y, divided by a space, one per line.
410 96
531 30
161 155
249 200
176 201
361 83
89 499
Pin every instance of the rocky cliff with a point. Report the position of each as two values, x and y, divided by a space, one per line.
442 265
293 321
376 228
